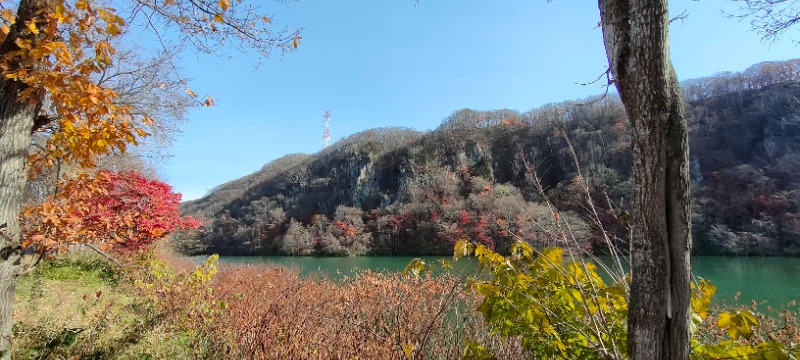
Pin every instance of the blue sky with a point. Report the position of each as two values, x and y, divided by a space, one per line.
407 63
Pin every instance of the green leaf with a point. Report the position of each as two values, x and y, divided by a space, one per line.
67 338
477 351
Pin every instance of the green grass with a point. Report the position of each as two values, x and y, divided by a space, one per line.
80 306
84 267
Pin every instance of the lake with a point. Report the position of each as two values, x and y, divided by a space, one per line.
775 279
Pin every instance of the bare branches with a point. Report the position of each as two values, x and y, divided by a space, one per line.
152 87
770 18
606 87
680 17
104 254
207 26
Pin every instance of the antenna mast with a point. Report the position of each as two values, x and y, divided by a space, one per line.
326 132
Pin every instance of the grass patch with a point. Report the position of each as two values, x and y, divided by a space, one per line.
80 306
86 268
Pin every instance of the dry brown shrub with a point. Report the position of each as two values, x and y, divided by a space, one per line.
277 314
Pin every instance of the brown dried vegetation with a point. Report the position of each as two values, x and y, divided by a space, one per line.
276 314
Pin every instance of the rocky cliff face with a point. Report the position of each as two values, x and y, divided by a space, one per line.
412 192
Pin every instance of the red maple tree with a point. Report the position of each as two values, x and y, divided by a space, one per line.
115 211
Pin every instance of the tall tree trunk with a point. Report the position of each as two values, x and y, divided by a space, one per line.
636 35
16 123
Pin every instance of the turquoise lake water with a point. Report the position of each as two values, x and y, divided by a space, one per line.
774 279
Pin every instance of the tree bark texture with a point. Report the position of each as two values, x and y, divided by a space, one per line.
636 36
16 120
16 123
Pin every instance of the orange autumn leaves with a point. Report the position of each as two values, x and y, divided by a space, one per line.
58 54
55 55
115 211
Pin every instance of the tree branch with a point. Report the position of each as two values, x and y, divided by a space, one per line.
104 254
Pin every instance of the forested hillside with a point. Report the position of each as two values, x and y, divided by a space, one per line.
400 191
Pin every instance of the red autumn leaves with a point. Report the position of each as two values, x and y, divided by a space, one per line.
115 211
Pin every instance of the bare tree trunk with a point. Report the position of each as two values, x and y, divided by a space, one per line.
636 35
16 124
16 121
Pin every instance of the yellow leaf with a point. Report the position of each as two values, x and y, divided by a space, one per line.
408 349
113 29
191 93
416 266
219 18
462 248
5 29
8 15
724 319
60 11
296 41
32 27
553 256
522 249
224 4
748 318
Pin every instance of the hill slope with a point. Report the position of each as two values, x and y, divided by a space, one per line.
400 191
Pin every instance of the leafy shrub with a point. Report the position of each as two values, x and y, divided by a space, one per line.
560 308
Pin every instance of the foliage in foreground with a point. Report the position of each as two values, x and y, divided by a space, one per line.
78 305
531 305
160 306
277 314
562 308
116 211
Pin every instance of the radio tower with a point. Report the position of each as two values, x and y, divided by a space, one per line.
326 132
